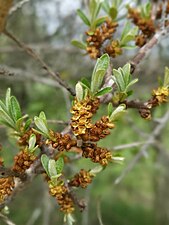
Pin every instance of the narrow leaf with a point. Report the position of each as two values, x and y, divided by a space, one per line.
83 17
103 91
79 44
15 108
99 72
59 165
79 91
119 111
52 168
7 119
7 99
113 12
45 162
32 141
41 125
110 109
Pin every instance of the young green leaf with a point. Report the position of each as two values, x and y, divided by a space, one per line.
83 17
79 44
59 165
45 162
6 119
113 12
110 109
85 83
52 168
99 72
7 99
15 108
118 112
41 125
99 21
27 124
79 92
32 142
103 91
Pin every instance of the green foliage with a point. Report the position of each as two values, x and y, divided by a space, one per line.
11 116
32 142
117 113
99 73
53 168
41 124
79 91
79 44
146 10
122 78
128 35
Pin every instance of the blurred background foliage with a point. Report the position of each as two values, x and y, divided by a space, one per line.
142 197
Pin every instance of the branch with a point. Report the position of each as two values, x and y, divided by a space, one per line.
152 138
36 57
17 6
144 51
6 219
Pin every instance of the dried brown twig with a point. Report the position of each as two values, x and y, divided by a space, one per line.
36 57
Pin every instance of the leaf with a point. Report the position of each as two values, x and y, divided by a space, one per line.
100 20
125 30
99 72
7 119
129 47
110 109
79 44
103 91
7 99
131 83
45 162
96 170
83 17
39 122
105 6
85 83
166 77
52 168
15 108
42 116
113 12
126 71
3 107
59 165
32 141
79 92
119 111
27 124
19 123
119 79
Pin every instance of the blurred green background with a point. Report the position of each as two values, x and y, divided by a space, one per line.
142 197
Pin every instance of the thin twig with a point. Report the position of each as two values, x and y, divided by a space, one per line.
18 6
144 148
6 220
36 57
99 216
144 51
131 145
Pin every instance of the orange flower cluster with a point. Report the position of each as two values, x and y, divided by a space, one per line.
61 142
97 154
113 49
159 96
145 25
23 161
6 187
62 195
82 114
96 40
98 131
81 179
